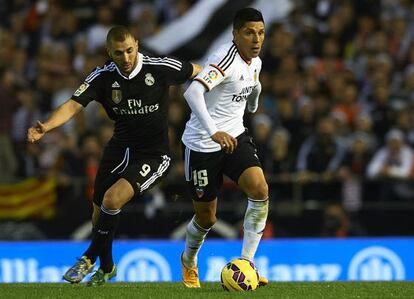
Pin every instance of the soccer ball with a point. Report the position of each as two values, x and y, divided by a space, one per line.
239 275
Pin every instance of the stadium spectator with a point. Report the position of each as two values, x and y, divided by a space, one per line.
279 166
353 169
8 158
318 162
392 165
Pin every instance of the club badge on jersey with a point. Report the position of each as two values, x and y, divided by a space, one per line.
149 79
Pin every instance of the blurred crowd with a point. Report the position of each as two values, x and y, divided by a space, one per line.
335 126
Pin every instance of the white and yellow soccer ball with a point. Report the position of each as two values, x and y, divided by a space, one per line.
239 275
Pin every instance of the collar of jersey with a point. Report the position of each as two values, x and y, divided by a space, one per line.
136 70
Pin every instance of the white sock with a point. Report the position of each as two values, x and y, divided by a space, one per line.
254 224
195 236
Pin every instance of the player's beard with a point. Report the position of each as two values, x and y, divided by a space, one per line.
127 68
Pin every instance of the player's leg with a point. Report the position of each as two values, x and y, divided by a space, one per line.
204 177
140 175
104 231
84 265
197 230
243 166
95 213
253 183
105 255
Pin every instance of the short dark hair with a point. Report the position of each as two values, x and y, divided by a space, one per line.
118 33
247 14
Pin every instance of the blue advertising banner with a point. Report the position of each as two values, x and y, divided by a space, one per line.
279 260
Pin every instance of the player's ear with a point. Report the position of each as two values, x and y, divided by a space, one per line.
235 34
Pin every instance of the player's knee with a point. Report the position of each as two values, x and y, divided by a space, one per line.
206 220
111 200
260 191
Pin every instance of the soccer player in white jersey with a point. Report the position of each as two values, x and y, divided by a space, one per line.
216 143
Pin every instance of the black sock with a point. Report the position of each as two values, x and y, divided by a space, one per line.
103 234
105 257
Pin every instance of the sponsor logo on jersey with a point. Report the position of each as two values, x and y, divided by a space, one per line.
149 79
135 107
243 94
115 85
84 86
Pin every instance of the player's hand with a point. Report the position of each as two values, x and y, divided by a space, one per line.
36 132
227 142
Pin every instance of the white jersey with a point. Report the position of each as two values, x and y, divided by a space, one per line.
229 81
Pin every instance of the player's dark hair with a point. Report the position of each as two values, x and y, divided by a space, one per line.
244 15
118 34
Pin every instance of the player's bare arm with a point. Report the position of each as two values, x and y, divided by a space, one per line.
60 116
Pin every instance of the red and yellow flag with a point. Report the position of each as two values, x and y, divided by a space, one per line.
31 198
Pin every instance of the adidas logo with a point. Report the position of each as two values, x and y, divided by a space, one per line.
241 78
115 85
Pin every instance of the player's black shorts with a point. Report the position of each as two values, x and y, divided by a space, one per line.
204 171
141 171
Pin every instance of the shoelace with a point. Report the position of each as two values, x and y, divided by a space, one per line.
97 275
82 265
192 273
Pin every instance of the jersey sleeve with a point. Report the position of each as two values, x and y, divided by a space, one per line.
177 71
218 67
91 89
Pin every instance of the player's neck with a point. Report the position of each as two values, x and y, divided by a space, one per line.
243 56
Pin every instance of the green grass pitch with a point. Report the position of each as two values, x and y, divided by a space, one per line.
336 290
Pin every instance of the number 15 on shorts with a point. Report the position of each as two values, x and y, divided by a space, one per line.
200 178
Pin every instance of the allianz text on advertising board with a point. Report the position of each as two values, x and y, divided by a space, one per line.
281 260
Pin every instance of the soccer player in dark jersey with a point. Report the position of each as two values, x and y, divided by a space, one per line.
133 89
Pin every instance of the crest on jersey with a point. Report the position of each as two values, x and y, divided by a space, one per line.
200 192
116 96
255 75
84 86
149 79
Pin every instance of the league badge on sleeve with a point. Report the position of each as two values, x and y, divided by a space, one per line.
211 76
84 86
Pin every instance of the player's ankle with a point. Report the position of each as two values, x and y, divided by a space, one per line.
188 262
